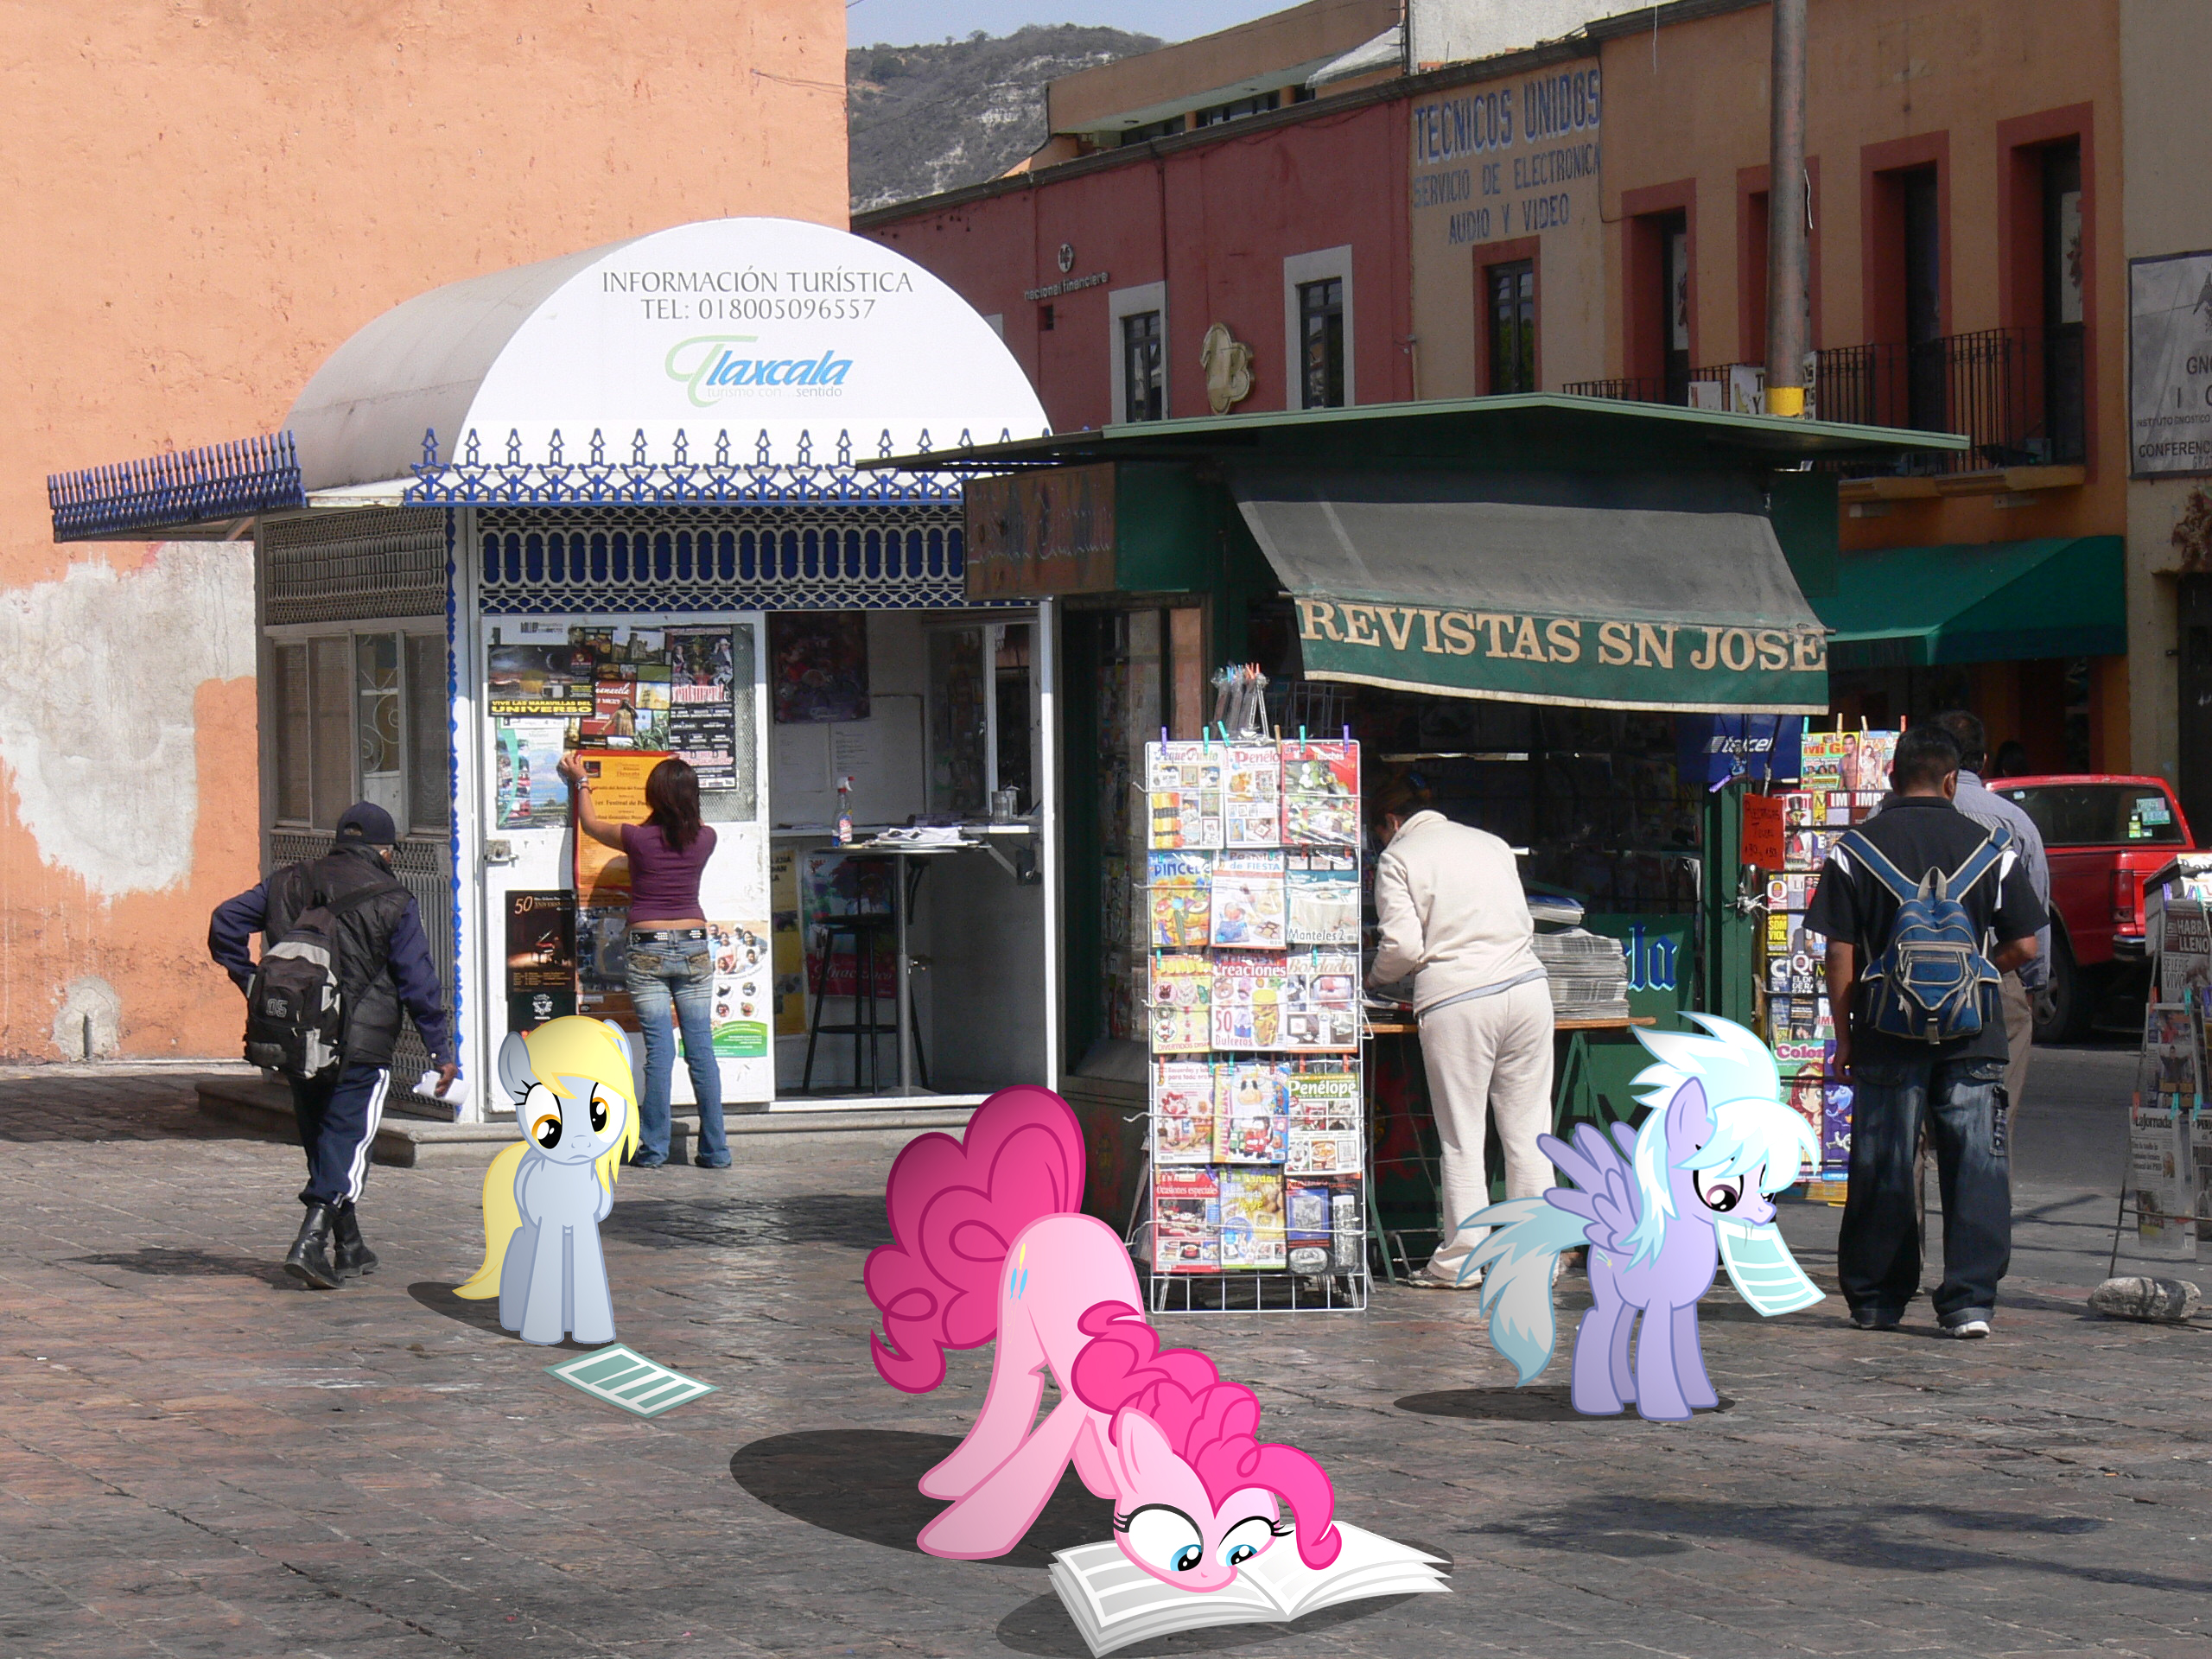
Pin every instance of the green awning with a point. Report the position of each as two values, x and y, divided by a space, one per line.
1992 603
1602 590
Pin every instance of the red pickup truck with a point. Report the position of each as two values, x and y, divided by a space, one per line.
2104 835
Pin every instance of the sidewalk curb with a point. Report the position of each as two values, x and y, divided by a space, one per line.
253 1103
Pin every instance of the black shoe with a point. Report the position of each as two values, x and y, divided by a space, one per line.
308 1260
351 1256
1877 1318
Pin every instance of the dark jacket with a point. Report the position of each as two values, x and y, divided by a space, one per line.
384 958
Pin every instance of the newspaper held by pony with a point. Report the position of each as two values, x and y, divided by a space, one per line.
1662 1209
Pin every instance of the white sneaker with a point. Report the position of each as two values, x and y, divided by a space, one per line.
1968 1330
1427 1281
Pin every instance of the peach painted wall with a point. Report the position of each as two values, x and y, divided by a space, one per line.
1960 75
200 200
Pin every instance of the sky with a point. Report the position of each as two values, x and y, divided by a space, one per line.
908 22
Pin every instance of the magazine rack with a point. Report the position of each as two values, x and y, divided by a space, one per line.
2166 1183
1257 1189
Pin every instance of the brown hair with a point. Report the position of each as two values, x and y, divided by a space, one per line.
673 792
1401 797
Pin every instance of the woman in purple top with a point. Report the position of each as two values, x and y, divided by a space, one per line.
671 956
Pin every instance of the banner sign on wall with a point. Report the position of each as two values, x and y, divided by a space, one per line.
1497 162
2170 365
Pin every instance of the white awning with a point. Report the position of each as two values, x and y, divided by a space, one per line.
749 327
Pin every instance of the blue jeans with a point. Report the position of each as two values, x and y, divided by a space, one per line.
678 972
1878 1256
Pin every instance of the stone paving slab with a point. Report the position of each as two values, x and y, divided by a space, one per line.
197 1458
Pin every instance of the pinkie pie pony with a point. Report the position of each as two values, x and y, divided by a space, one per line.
990 1244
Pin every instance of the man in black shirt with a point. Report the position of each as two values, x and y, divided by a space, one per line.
1955 1085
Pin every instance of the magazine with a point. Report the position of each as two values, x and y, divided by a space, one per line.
1251 796
1321 1152
1835 1130
1113 1602
1189 764
1320 1002
1247 998
1187 1221
1181 1004
1821 760
1182 1112
1324 1100
1320 801
1247 901
1251 1218
1186 817
1179 896
1325 1230
1322 899
1252 1113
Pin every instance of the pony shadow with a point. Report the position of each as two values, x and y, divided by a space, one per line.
1043 1627
855 1221
1904 1538
861 1483
193 1264
1517 1406
484 1316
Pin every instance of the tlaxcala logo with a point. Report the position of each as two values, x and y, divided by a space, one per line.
710 367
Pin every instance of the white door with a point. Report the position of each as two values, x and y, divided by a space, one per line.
692 684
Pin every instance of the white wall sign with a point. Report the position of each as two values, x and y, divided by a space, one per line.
2170 364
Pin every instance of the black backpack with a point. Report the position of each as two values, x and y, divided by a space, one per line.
294 1017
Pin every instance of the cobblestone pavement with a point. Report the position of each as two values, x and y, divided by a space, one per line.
197 1459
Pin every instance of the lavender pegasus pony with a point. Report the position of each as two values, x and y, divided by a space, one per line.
991 1245
1660 1209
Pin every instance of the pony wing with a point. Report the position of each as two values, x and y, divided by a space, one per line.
1604 1192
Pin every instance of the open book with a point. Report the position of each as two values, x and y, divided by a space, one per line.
1114 1602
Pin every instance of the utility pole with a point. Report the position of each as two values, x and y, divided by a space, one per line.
1788 260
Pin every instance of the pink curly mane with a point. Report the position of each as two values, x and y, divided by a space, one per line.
956 1206
1209 1422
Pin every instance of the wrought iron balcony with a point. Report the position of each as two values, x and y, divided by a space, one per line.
2018 393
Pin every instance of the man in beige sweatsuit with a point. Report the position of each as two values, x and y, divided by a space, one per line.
1453 914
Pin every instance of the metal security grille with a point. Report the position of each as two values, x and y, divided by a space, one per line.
425 869
355 567
616 559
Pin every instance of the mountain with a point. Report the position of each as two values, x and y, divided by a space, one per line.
926 119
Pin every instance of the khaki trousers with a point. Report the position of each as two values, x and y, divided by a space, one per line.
2019 1034
1491 1054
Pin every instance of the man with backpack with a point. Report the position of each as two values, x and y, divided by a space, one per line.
343 950
1923 910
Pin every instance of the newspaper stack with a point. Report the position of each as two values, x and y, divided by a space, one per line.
1588 971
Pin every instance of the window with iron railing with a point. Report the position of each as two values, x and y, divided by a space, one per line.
2016 392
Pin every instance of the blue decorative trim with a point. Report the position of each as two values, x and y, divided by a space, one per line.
556 478
188 487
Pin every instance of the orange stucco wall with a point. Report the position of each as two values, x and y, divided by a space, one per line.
1691 108
198 200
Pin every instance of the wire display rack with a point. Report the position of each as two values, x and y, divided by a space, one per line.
1256 1184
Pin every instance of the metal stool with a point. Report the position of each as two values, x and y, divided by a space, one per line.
871 937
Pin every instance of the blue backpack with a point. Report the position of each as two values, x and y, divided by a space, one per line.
1927 982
